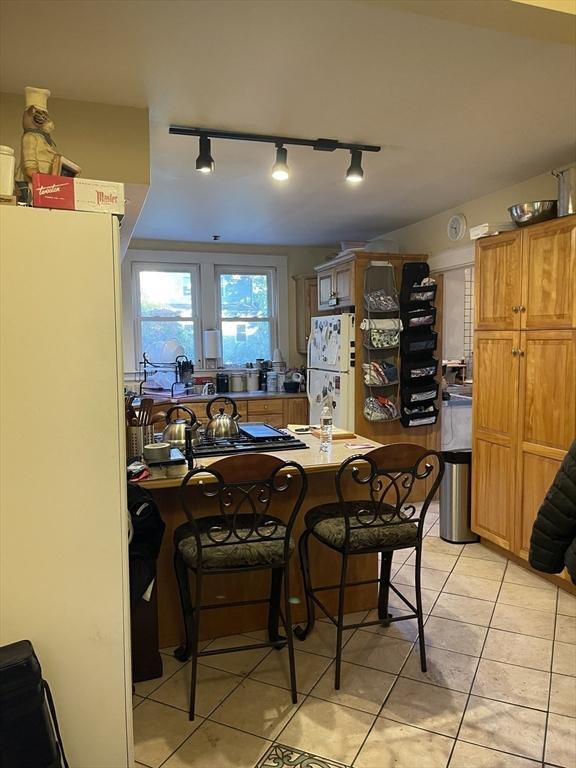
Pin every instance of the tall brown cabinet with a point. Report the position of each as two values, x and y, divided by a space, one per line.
524 407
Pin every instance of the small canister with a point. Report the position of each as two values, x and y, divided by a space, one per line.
252 380
222 382
6 171
237 382
272 381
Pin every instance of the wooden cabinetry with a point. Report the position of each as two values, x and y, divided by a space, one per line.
526 279
306 308
336 284
524 412
276 410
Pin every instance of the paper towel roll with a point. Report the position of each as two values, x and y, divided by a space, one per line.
212 344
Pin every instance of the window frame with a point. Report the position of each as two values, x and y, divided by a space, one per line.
271 318
194 271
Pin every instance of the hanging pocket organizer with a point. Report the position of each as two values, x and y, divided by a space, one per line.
381 333
416 371
418 341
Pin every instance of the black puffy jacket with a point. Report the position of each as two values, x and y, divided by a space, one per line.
553 542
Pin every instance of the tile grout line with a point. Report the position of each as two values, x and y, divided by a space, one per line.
472 686
475 673
401 668
551 673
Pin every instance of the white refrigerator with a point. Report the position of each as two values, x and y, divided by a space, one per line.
63 518
330 366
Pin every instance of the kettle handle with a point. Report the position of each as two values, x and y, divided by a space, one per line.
190 413
210 403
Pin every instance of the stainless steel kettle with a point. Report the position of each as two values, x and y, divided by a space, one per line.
221 424
175 430
566 190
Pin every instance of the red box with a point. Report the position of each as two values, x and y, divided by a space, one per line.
77 194
53 191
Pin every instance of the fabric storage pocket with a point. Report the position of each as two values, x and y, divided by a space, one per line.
418 394
380 408
379 373
419 344
418 370
423 317
381 301
381 334
425 291
419 416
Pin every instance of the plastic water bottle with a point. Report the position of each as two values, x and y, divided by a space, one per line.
326 424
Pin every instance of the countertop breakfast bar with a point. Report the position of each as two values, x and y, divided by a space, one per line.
321 468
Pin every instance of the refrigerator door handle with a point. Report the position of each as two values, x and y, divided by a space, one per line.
308 371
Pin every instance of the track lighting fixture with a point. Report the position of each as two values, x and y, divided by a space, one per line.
280 170
354 174
204 161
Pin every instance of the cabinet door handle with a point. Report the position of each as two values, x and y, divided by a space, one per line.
515 352
522 308
521 353
515 308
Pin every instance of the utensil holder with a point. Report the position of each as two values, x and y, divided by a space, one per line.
137 438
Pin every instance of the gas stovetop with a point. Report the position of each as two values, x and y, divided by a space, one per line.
276 441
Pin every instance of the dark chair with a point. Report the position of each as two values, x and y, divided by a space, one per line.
242 536
382 522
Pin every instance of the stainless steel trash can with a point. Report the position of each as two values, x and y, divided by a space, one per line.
455 498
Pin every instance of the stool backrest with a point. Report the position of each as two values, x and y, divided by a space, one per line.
389 476
246 491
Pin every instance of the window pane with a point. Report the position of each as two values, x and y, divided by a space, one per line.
163 341
245 342
165 294
244 295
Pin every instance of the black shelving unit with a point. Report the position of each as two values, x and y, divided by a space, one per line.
381 328
419 366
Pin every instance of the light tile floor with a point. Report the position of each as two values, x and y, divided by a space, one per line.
500 691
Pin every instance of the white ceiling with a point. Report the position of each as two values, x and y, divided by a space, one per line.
461 107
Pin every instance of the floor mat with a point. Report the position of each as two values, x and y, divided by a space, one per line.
288 757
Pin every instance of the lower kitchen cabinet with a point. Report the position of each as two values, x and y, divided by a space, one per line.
546 420
276 410
495 407
524 422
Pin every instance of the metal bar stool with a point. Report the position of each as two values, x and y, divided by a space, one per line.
242 536
381 523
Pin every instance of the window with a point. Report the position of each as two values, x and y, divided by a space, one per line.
167 313
246 315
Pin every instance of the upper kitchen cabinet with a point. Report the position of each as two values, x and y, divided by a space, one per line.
497 282
549 275
526 279
306 308
336 284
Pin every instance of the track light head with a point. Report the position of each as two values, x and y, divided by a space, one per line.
355 174
204 161
280 170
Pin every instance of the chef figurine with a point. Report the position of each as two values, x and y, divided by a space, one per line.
39 153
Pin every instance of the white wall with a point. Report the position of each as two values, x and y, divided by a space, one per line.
429 235
453 315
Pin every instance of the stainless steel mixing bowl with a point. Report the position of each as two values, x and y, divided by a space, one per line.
523 214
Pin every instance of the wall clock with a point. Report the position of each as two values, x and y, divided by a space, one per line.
457 227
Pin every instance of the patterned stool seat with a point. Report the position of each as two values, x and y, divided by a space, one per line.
242 547
328 524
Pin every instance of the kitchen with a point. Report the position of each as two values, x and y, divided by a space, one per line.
404 206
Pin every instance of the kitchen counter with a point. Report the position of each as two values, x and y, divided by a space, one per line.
321 469
164 397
